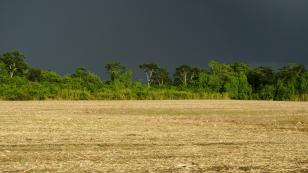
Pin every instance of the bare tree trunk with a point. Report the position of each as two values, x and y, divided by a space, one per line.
160 82
149 77
12 69
11 74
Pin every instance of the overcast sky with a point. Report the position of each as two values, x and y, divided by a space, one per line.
63 34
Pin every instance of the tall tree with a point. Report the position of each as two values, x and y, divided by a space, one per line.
114 69
149 69
87 79
221 74
260 77
289 81
15 63
181 73
291 72
194 75
120 76
220 69
161 77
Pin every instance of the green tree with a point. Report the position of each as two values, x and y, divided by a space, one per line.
181 74
240 68
15 63
223 70
115 70
194 75
244 88
3 71
221 75
161 77
241 71
50 76
34 74
149 69
81 73
288 81
4 75
231 79
303 84
261 77
267 92
120 75
86 79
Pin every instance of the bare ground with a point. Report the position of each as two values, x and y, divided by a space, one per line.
154 136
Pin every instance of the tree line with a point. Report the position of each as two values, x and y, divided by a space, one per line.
20 81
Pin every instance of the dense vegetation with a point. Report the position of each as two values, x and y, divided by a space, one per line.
20 81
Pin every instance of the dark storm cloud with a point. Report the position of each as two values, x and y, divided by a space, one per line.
64 34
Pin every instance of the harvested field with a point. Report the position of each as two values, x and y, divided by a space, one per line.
154 136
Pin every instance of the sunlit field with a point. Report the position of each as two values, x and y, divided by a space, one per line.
154 136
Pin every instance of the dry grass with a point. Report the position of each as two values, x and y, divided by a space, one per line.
153 136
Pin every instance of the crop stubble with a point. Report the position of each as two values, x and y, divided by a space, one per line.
154 136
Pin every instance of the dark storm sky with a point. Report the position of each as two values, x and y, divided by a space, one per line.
63 34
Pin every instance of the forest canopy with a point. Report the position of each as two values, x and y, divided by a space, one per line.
21 81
